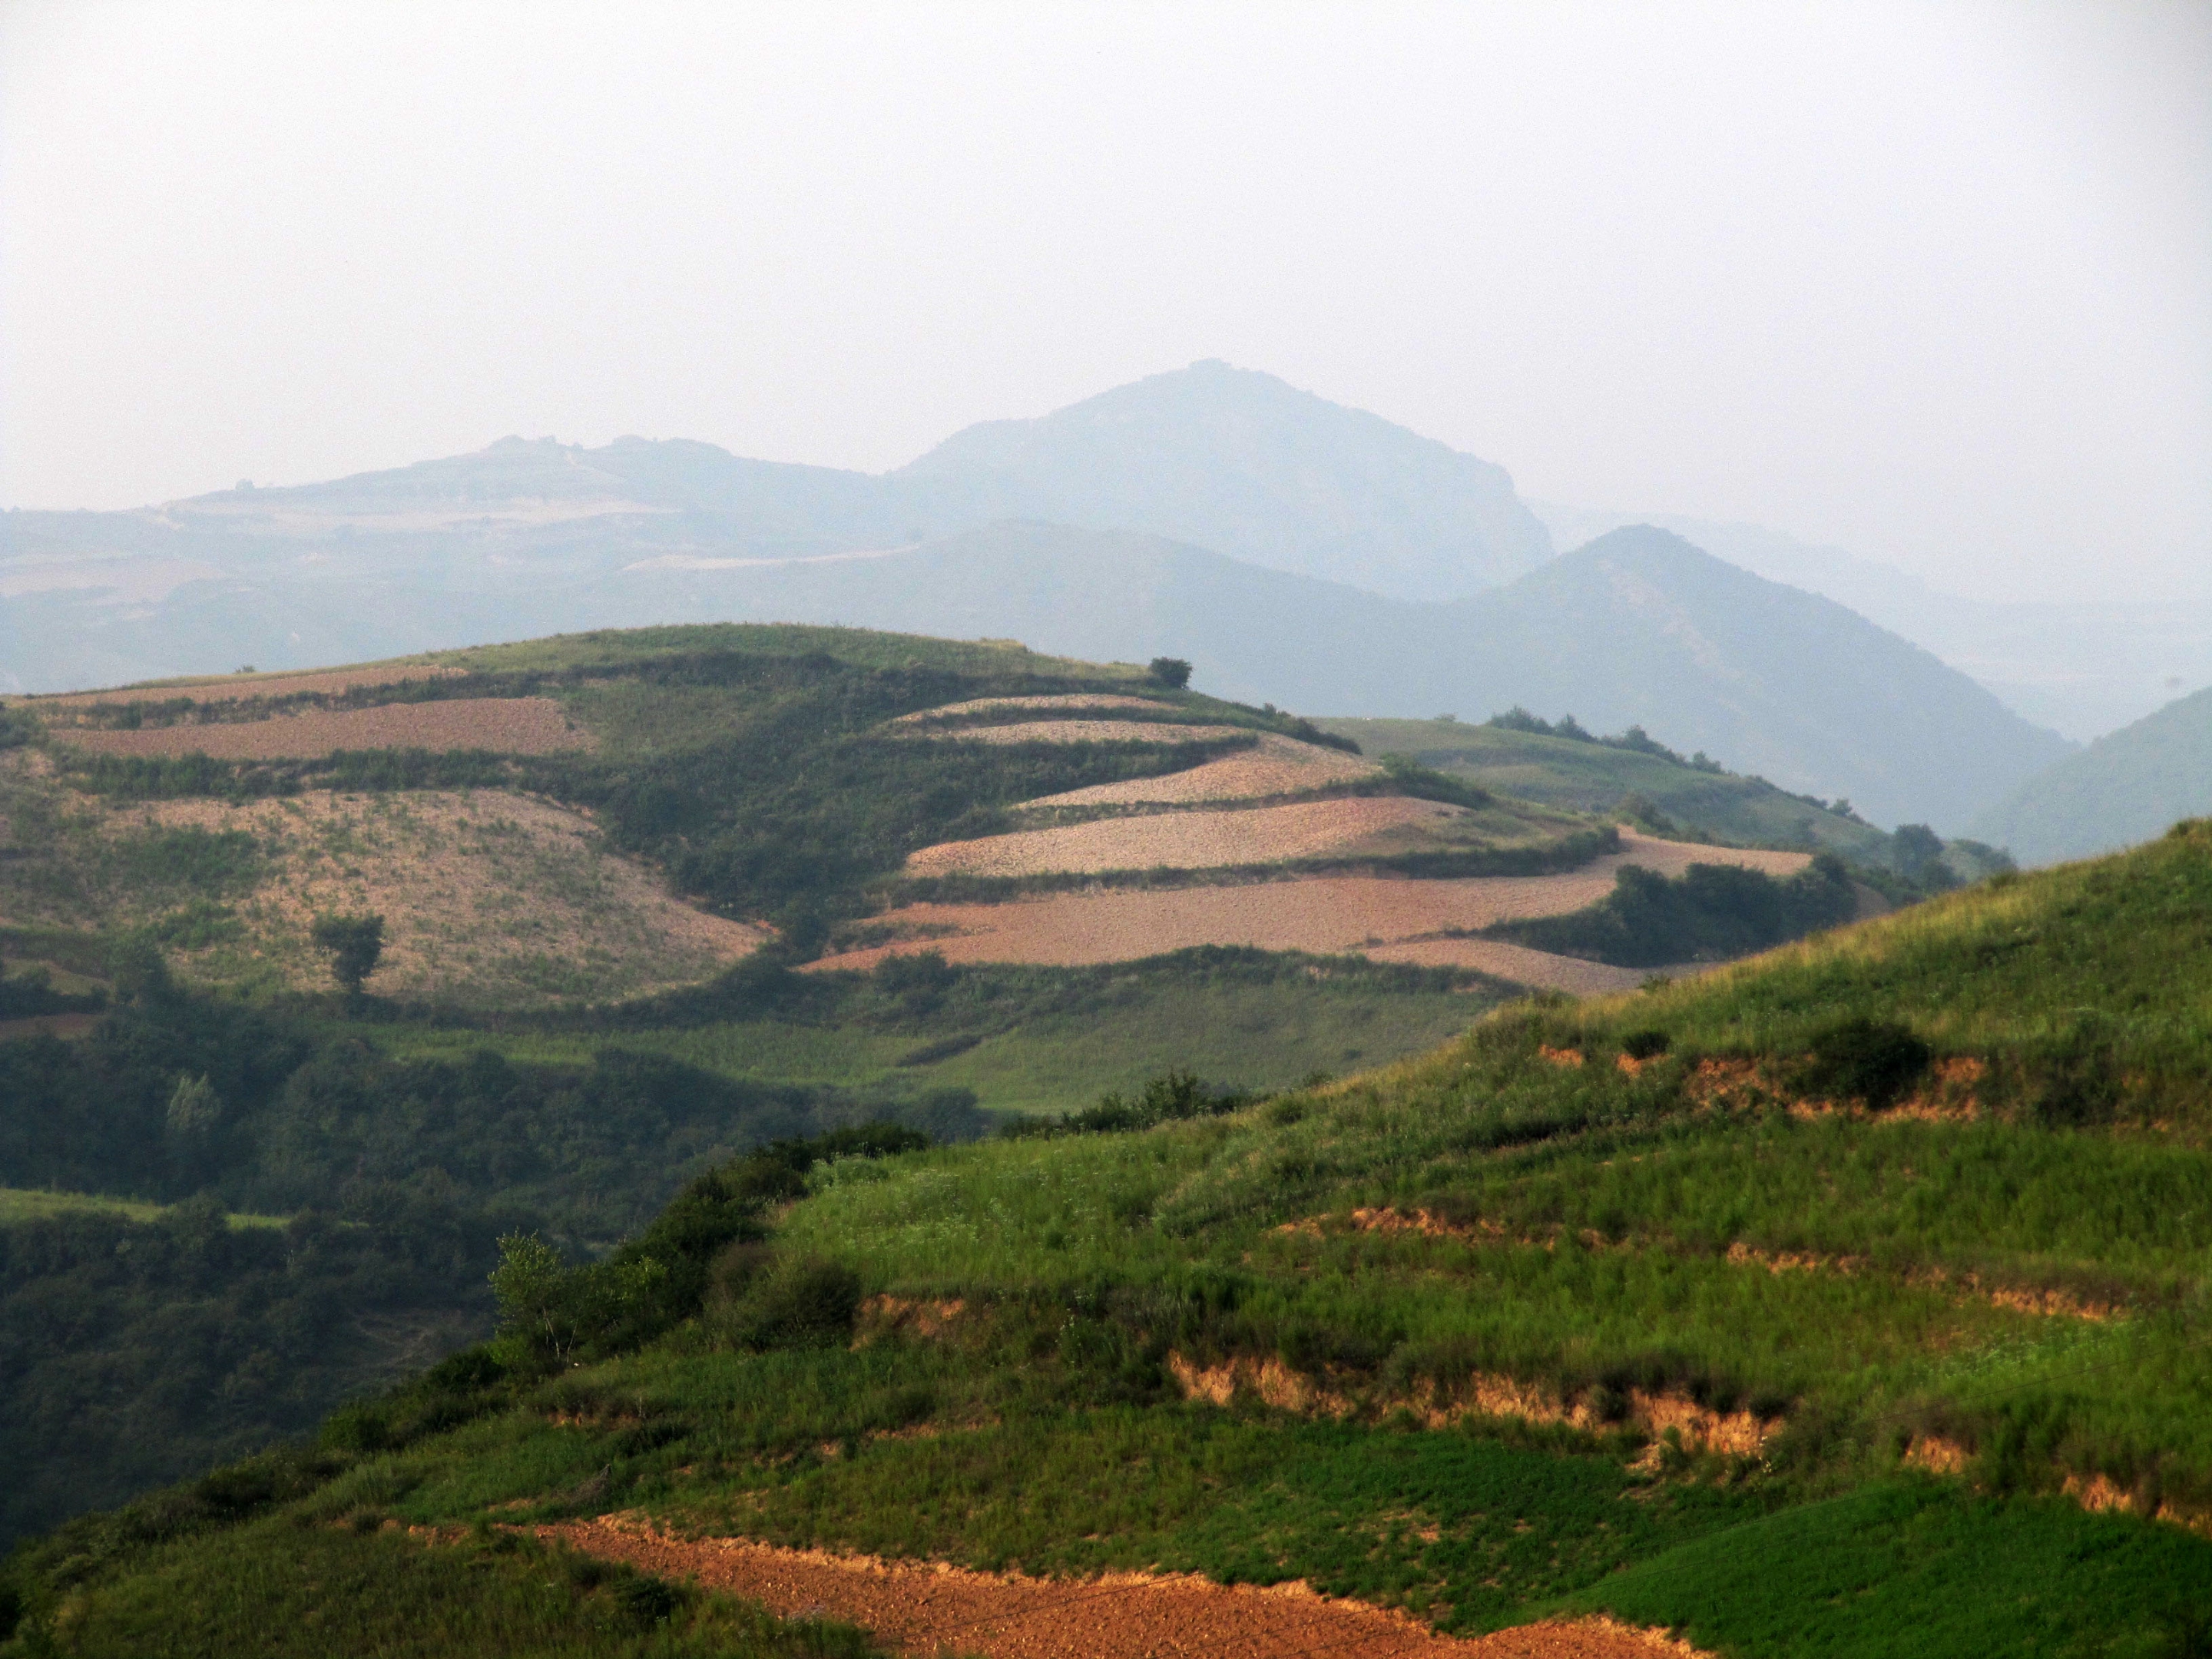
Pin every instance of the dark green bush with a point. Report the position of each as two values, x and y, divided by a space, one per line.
806 1303
1874 1060
1712 911
1646 1045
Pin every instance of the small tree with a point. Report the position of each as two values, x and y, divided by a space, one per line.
1173 673
354 944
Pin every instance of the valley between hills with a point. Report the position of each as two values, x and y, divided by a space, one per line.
852 1142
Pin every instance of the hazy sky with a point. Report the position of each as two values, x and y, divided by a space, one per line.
1932 280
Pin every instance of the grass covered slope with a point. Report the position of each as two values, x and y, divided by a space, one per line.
1851 1301
1584 774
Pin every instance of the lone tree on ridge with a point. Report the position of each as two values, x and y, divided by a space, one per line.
1173 673
354 944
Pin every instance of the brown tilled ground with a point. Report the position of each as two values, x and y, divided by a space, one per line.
237 687
485 895
1197 841
512 726
1390 920
927 1608
983 706
1082 731
1279 766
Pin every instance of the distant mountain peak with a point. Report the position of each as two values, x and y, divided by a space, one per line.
1243 462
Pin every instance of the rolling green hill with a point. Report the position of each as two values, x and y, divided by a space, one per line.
1851 1300
1581 774
2123 788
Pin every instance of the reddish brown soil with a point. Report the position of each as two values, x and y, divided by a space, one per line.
512 726
926 1608
237 687
1279 766
1387 919
1195 841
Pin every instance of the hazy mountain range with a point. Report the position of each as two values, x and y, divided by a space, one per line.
1299 552
2083 670
2125 788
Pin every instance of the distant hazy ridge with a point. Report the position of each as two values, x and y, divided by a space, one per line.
1298 552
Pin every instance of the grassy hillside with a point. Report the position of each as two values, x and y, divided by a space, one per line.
2125 787
1849 1301
1590 777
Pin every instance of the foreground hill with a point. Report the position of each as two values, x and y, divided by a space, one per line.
1849 1301
2122 789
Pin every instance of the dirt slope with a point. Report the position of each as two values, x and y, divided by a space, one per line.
1389 919
929 1609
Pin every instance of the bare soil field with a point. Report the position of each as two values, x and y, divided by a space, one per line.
925 1607
237 687
1523 966
1389 919
512 726
488 896
1082 731
1373 825
1280 766
984 706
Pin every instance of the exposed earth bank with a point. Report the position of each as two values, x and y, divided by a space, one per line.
929 1608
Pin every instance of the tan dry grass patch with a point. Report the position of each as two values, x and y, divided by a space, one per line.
476 886
512 726
921 1316
240 688
1695 1427
1361 825
1277 766
931 1607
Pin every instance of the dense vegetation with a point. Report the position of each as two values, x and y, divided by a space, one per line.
148 1346
156 1349
1709 913
1561 764
1885 1198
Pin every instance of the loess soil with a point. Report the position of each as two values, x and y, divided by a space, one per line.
1377 824
930 1608
487 897
1389 919
512 726
1279 766
237 687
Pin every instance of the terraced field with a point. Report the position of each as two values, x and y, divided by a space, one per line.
499 824
506 726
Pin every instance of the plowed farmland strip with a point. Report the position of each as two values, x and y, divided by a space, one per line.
1195 841
239 687
511 726
1279 766
1391 920
987 706
927 1609
1083 732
